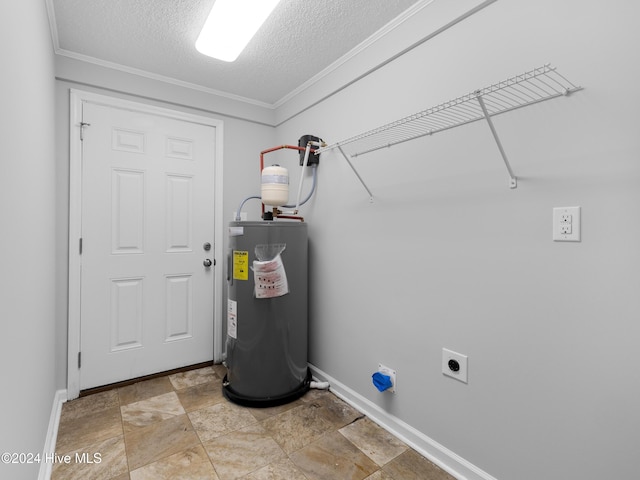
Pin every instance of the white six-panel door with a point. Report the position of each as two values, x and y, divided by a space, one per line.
147 298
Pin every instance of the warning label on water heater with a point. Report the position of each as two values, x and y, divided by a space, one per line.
240 265
232 318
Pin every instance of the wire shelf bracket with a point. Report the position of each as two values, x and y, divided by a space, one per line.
534 86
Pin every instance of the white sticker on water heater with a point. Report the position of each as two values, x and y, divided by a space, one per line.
236 231
232 318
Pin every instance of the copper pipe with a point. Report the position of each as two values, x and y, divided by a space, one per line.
291 217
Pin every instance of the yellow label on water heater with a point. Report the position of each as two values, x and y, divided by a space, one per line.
240 265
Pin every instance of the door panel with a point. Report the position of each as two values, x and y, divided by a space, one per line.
179 307
147 210
179 214
126 313
127 211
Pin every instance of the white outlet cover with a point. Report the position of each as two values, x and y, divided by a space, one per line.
462 360
566 224
391 373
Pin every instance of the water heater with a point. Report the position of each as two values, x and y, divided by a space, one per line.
267 314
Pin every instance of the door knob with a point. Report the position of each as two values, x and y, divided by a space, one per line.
207 263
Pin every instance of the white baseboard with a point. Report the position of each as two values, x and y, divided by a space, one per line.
52 434
429 448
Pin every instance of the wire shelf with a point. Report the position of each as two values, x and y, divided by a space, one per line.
535 86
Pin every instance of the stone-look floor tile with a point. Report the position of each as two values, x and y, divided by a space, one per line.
242 452
220 370
100 460
220 419
143 390
124 476
297 427
380 475
192 377
201 396
192 464
76 432
279 470
413 466
152 410
331 408
159 440
333 457
263 413
312 395
378 444
89 405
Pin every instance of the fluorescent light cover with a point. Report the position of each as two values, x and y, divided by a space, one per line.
230 26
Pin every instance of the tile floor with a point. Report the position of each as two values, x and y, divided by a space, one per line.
180 427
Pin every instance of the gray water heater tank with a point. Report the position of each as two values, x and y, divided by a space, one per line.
266 323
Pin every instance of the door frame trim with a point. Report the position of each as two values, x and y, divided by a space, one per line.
77 98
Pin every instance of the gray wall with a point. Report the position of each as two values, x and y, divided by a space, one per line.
449 256
27 216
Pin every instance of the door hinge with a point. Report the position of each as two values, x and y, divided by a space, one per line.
79 359
82 125
80 245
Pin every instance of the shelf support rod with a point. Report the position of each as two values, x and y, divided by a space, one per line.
513 182
357 174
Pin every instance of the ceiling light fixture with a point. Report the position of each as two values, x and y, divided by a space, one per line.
230 25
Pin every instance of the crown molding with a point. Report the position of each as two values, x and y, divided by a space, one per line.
389 27
160 78
53 25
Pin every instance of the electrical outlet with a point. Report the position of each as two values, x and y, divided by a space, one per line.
455 365
391 373
565 229
566 224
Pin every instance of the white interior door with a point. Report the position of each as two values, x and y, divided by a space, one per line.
147 297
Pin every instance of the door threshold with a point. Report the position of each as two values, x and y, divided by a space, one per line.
124 383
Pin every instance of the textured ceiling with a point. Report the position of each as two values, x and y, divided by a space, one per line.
300 39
